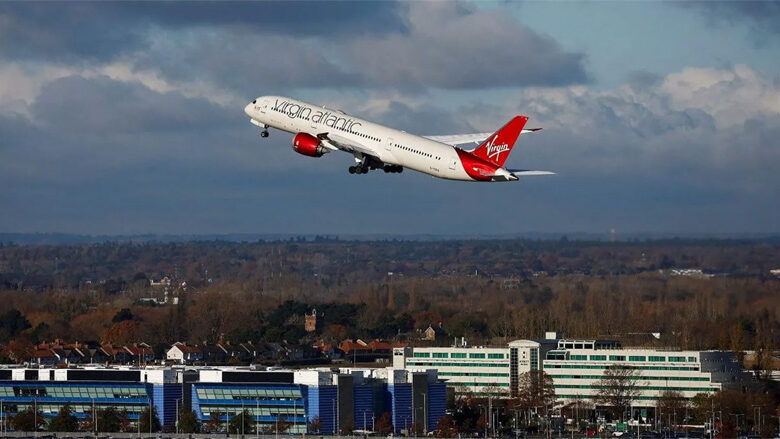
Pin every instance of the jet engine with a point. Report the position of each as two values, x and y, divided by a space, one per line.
308 145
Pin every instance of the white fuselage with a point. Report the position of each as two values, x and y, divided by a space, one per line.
389 145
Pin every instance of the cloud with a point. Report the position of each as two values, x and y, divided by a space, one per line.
762 17
108 31
244 47
449 45
698 127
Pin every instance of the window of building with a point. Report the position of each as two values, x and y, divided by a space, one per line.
598 358
676 359
421 355
617 358
476 355
578 357
637 358
654 358
458 355
691 359
496 356
439 355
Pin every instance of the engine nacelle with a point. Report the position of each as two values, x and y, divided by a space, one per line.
308 145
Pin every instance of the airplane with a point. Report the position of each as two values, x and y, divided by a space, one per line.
320 130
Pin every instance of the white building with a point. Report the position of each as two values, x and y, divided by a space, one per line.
577 366
479 370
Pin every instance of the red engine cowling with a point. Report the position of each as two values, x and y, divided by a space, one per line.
308 145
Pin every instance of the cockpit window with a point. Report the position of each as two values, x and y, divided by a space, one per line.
255 101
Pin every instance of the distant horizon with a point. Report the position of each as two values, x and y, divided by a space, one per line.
56 238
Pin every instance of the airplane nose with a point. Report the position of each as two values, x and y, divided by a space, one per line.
248 109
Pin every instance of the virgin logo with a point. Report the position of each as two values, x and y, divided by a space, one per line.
493 150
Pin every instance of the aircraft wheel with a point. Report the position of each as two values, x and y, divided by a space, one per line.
263 133
352 169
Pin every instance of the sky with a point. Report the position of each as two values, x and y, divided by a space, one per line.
127 118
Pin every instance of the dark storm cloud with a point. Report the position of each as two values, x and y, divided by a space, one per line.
66 32
245 63
289 17
282 45
100 31
763 17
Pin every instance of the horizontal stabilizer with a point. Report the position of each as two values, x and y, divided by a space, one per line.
528 173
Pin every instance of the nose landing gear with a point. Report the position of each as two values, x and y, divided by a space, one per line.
264 133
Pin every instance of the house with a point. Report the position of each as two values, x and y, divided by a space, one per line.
235 352
45 357
361 352
184 354
98 355
330 351
252 349
213 354
117 354
431 333
141 353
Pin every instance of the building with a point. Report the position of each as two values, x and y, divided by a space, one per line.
476 370
183 353
577 366
89 389
338 400
310 325
347 399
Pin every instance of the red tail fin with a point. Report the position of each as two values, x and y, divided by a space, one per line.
497 147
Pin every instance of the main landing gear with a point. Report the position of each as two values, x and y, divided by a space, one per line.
363 169
359 169
264 133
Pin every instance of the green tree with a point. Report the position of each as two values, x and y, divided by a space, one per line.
188 422
27 420
64 421
144 420
109 420
241 423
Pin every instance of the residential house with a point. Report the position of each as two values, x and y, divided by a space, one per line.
184 354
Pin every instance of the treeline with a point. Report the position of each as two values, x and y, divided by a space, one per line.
485 291
113 267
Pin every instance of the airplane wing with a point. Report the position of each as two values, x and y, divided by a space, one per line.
334 142
460 139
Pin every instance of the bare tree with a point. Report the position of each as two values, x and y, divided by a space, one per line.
671 408
535 389
617 389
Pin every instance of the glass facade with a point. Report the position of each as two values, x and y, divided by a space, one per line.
83 398
266 403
